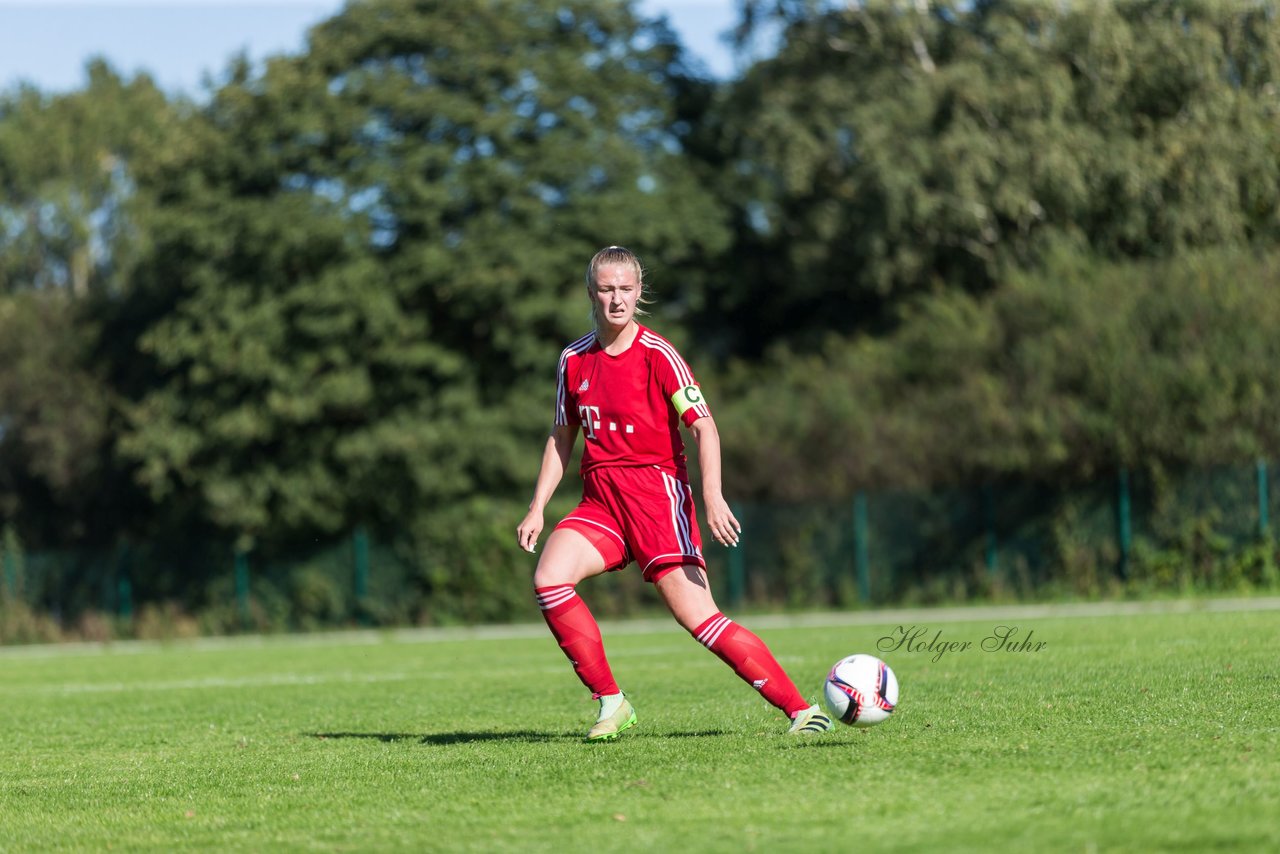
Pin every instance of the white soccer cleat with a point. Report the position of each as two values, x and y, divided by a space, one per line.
610 724
810 722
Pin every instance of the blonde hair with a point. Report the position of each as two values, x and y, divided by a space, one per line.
608 256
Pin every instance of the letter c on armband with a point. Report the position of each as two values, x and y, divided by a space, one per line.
686 397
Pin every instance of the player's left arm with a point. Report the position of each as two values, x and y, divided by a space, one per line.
720 519
676 380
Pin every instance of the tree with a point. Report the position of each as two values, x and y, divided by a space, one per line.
68 181
377 243
70 232
54 419
891 149
1061 375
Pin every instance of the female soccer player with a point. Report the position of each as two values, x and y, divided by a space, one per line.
627 390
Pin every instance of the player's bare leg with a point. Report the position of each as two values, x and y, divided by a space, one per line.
688 595
567 559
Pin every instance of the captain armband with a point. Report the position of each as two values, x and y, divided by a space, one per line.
687 397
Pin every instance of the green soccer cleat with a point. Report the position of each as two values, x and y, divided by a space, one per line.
608 726
811 721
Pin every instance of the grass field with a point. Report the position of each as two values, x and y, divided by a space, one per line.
1149 731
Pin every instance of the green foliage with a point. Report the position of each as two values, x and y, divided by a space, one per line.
13 565
470 571
71 235
165 621
371 256
890 149
920 246
1064 374
69 172
54 415
318 598
1202 558
20 624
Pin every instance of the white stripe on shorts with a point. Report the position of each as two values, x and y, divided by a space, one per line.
679 494
605 528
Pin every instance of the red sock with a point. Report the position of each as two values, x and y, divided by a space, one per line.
750 658
576 631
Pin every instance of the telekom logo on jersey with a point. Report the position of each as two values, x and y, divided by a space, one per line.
590 416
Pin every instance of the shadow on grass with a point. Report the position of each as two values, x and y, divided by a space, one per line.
810 743
449 738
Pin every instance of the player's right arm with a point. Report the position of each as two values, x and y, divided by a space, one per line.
555 461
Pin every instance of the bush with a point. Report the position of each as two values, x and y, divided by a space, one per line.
164 621
19 623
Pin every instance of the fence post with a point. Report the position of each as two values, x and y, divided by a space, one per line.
124 598
360 553
737 566
360 547
1264 500
124 587
1124 522
10 572
242 585
989 526
861 549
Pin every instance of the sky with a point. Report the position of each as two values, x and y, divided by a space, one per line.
181 43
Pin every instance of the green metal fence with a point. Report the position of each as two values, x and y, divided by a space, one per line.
1205 529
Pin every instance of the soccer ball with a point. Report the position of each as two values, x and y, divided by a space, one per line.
861 690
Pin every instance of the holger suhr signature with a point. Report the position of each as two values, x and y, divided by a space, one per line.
919 639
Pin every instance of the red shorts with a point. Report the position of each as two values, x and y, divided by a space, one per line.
638 513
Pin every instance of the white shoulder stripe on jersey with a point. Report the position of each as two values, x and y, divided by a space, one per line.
577 348
683 375
582 343
678 365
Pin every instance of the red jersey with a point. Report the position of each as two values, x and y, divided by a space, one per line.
629 406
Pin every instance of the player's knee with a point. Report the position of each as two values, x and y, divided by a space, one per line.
557 568
552 576
567 559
